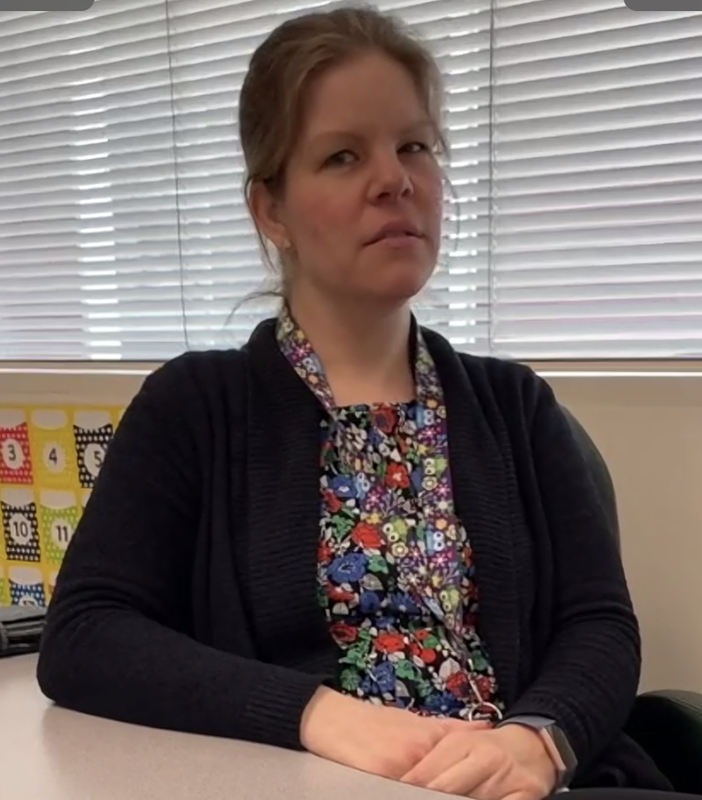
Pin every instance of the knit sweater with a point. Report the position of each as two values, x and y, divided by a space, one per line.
187 597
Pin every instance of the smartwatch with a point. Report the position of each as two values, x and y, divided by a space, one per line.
556 743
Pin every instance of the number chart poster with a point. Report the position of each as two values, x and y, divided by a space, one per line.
49 459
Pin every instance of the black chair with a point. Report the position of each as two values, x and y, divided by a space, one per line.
667 724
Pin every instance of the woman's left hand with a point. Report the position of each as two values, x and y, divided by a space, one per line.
508 763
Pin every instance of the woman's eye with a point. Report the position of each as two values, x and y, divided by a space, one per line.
342 158
416 147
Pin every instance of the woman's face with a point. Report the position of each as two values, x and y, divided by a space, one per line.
363 200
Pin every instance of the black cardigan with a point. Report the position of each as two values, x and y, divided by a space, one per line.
187 596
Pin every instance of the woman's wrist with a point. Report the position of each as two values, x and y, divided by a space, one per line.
322 716
529 749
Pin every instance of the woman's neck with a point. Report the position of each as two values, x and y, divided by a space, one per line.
364 349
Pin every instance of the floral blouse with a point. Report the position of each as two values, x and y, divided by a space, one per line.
395 568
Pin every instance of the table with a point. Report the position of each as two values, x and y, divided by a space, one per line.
49 753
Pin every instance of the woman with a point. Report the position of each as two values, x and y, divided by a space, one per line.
345 536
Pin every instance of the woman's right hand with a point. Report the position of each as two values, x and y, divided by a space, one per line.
382 740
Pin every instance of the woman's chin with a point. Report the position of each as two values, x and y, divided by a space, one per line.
401 281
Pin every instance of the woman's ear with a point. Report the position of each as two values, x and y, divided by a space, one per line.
266 211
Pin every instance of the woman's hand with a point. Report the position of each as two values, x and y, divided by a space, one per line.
508 763
384 741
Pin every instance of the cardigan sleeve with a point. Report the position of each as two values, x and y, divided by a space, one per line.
588 680
117 641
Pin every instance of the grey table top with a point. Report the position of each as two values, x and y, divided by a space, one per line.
48 753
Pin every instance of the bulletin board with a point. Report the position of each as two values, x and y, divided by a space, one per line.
50 457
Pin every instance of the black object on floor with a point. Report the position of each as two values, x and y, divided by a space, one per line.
20 629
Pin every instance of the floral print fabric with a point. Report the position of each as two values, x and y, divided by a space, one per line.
395 567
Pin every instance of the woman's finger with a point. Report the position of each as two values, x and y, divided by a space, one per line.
497 785
464 777
451 749
491 790
467 725
522 795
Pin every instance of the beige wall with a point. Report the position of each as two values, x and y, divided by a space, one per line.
650 432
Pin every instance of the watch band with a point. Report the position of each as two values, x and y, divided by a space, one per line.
556 743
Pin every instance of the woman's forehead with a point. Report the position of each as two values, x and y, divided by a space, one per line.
362 96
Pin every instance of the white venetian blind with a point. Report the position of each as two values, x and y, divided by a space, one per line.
597 181
89 227
575 170
123 231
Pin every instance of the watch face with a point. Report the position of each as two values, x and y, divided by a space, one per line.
564 748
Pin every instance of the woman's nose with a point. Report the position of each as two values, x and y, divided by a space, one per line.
390 178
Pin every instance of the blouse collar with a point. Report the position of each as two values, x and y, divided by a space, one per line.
299 352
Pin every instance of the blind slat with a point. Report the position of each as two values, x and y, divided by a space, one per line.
576 169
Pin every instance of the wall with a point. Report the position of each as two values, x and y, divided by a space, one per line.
650 432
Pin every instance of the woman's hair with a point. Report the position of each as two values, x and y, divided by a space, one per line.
274 92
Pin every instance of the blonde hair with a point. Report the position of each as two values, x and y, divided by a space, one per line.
273 95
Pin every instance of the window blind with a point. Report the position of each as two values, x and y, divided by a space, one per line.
574 171
89 225
596 195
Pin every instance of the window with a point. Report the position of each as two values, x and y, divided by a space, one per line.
596 195
576 170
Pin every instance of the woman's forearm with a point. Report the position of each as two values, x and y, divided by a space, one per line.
116 663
